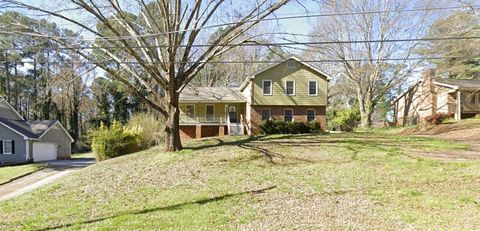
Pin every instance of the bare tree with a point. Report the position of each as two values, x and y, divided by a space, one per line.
365 63
156 42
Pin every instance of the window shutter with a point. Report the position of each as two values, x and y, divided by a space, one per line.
13 146
1 146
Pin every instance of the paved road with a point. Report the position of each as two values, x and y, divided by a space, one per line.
54 170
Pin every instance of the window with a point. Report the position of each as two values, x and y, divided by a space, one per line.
210 113
190 111
266 114
7 147
267 87
312 87
310 115
290 64
288 115
290 87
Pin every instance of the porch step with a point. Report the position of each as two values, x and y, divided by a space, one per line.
236 129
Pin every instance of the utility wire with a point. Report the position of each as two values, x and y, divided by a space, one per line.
252 43
328 14
242 62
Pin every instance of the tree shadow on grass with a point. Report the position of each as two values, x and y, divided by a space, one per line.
165 208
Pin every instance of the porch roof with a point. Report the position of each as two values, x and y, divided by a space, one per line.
461 84
212 94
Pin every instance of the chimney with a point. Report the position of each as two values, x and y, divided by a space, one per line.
428 77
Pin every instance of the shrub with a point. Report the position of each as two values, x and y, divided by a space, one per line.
268 127
151 128
282 127
347 119
437 118
115 141
315 127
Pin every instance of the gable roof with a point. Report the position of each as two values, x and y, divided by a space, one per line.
2 100
30 129
461 84
313 68
211 94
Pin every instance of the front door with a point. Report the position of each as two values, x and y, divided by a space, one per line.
232 113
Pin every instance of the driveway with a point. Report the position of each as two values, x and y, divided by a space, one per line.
53 171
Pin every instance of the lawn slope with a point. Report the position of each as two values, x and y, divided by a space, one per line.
338 181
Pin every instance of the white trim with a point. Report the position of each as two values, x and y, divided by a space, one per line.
318 71
286 109
316 86
314 113
445 85
206 115
61 126
263 86
194 110
269 113
294 87
27 150
11 107
24 136
11 148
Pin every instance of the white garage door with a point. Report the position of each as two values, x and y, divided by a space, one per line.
43 151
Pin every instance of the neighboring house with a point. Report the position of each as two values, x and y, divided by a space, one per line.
31 140
460 98
291 90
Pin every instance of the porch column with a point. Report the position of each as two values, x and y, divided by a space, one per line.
198 131
458 114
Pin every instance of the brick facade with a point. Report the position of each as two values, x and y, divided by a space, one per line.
277 113
200 131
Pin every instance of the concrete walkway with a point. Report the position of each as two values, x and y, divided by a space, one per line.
53 171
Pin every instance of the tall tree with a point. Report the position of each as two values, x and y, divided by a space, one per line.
164 46
364 63
461 57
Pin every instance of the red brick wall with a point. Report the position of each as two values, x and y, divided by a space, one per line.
187 132
299 114
190 131
209 131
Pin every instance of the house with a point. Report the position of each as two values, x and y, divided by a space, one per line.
430 95
31 140
290 90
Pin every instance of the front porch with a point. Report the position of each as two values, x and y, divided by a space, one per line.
208 119
464 104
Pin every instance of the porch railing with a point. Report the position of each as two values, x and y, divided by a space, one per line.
203 119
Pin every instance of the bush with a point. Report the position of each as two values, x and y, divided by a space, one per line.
347 119
151 128
282 127
437 118
115 141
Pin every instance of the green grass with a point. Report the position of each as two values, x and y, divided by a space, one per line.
83 155
339 181
10 172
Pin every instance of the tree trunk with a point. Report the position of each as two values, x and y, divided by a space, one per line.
366 111
172 126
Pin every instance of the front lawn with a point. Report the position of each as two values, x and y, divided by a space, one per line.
340 181
10 172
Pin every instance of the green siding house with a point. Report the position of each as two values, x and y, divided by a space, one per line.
291 90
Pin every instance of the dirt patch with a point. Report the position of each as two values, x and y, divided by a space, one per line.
465 132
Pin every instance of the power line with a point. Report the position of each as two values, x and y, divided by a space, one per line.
293 43
241 62
327 14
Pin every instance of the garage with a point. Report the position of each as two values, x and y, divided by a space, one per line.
43 151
